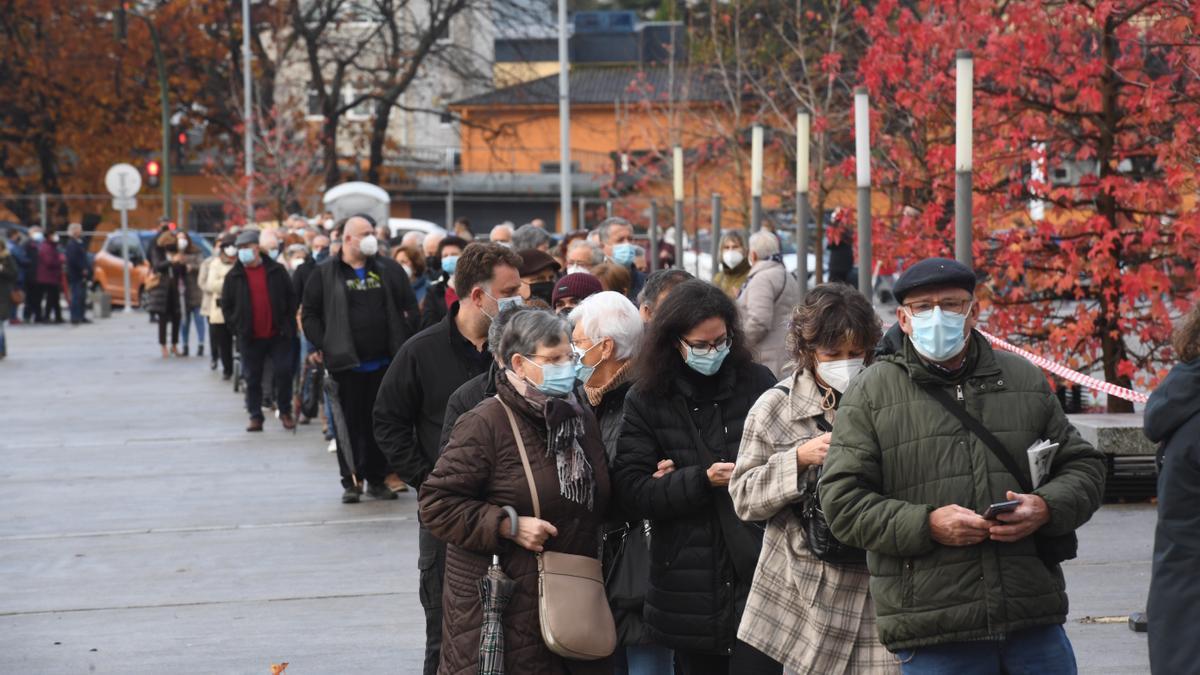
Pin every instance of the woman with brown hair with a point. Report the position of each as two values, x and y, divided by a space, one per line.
810 615
1173 419
413 262
169 262
613 277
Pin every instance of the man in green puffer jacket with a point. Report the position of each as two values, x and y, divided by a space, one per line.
905 480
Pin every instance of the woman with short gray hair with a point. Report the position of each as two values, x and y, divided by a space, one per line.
481 471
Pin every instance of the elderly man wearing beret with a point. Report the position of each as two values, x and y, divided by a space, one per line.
932 435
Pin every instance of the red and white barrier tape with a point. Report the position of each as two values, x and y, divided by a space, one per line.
1068 374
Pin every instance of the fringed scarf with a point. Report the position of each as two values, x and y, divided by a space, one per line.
564 428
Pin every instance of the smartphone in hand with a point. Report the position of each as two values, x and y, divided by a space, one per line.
1000 507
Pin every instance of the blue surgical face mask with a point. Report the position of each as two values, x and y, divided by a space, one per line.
246 255
705 364
624 254
449 263
504 303
558 379
584 373
939 336
273 254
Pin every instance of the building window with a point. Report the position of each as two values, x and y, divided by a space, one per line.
446 118
444 35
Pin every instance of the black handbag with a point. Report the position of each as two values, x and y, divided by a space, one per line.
312 390
1051 549
817 537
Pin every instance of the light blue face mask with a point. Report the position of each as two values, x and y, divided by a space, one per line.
246 255
938 336
624 254
558 379
273 254
584 373
449 263
705 364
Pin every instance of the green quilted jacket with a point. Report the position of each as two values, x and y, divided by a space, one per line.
897 455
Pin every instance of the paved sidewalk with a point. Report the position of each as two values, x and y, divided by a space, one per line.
142 531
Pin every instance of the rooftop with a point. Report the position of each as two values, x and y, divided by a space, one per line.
599 85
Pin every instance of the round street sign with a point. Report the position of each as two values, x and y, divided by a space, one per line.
123 180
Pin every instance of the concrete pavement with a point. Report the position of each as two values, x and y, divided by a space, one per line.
142 531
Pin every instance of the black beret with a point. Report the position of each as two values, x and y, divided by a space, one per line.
934 272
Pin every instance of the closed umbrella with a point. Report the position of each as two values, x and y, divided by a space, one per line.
339 425
495 590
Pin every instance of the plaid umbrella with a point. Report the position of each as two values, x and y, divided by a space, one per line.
495 590
339 424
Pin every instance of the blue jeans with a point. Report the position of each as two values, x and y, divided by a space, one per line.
78 300
1044 650
193 316
644 660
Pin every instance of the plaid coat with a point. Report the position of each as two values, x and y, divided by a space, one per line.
811 616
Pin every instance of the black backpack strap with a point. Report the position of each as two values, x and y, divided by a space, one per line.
989 439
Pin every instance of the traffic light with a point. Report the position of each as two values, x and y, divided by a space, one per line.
183 139
152 171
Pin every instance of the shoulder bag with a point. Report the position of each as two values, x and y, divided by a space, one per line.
817 537
1051 549
573 610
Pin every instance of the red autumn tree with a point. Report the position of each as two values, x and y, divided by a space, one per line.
1089 110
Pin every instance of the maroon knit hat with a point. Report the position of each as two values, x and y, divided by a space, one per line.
578 285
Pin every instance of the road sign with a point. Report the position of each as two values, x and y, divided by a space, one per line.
124 203
123 180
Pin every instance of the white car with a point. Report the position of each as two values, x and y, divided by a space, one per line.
398 227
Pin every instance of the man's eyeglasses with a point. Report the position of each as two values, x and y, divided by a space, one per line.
923 308
706 348
570 359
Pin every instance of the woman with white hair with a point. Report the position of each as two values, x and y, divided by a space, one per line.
766 303
606 335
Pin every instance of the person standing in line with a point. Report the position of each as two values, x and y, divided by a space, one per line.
165 299
50 277
33 290
502 234
766 303
814 617
922 447
528 237
358 311
192 297
695 382
658 285
539 270
1173 420
441 294
9 271
573 289
260 305
79 273
411 406
212 281
734 266
616 237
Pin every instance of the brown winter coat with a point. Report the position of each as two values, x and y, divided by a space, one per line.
479 472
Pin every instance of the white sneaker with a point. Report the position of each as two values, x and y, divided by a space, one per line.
332 447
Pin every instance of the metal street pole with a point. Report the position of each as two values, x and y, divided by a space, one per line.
802 245
677 184
679 254
756 178
450 190
654 237
248 113
166 118
963 163
125 260
715 244
564 119
862 146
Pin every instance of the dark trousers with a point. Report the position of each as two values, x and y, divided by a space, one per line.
170 315
50 294
431 562
33 302
222 346
255 354
78 300
357 392
744 659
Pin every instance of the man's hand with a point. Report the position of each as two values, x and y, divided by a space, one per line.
719 473
954 525
531 532
315 358
664 467
1022 521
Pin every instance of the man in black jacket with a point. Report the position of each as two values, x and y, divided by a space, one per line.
411 405
259 304
358 311
79 272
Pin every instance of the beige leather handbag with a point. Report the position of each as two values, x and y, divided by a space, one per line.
573 610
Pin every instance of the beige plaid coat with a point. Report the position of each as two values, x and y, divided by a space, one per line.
811 616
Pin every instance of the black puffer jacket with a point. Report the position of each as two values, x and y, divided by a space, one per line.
702 556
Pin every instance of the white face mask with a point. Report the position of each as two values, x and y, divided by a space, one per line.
230 251
408 270
839 374
577 269
732 258
181 243
328 224
368 245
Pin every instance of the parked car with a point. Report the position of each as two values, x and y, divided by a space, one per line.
398 227
109 263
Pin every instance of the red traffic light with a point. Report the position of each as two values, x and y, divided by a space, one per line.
183 138
152 168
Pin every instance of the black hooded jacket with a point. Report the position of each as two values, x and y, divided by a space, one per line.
1173 419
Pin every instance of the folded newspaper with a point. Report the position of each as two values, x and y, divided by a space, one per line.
1041 456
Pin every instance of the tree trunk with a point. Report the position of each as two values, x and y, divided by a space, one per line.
333 174
379 128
